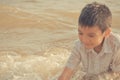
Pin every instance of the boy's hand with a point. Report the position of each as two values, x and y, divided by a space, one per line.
66 74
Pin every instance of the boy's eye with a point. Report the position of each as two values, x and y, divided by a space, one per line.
80 33
91 36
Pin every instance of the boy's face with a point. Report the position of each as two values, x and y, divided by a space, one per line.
91 37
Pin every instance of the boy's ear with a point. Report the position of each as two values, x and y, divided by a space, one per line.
107 32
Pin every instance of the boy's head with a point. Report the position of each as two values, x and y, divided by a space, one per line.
94 24
95 14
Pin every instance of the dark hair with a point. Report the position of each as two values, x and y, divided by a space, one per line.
95 14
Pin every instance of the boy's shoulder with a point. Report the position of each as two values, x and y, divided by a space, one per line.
78 44
114 39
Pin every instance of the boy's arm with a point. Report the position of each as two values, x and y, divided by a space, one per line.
66 74
72 64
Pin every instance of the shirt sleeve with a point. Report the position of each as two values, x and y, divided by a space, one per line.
75 57
115 66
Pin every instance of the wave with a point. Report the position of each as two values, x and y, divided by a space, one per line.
16 17
15 66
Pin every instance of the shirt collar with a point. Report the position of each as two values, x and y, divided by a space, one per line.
106 46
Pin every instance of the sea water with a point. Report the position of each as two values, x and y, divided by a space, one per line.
36 36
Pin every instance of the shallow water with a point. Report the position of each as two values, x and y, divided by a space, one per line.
36 36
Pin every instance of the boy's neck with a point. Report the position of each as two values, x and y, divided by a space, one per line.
99 47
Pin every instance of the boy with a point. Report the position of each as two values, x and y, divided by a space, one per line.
97 48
